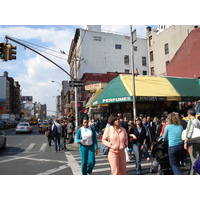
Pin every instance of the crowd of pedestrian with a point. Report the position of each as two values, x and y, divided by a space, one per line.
61 132
128 139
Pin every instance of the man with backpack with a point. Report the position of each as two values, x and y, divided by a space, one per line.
57 130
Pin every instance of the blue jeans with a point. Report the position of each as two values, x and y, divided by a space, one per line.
56 140
138 154
175 154
63 143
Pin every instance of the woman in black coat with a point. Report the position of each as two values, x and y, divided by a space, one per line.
139 140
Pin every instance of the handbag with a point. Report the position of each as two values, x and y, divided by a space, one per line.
103 148
46 133
195 135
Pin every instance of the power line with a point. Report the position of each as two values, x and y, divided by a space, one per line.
47 52
59 52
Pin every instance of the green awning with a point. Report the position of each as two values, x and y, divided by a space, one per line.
114 92
148 88
188 88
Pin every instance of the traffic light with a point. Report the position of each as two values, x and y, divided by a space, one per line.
2 50
11 52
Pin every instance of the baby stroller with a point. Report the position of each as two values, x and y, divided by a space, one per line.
196 166
160 164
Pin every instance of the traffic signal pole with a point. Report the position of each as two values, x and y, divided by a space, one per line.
73 78
9 38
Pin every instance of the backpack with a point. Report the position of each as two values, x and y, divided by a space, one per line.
55 130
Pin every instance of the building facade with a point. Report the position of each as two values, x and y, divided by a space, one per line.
10 93
163 42
94 51
186 61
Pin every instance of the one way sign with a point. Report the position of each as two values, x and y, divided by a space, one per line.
76 84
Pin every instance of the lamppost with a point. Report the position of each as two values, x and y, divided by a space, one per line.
57 82
133 40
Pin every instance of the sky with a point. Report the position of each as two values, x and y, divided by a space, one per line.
33 72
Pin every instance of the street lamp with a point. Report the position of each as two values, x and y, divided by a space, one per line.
133 40
56 82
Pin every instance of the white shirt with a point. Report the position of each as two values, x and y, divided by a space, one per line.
86 133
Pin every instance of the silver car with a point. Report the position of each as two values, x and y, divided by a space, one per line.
2 140
24 127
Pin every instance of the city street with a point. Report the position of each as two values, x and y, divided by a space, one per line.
29 154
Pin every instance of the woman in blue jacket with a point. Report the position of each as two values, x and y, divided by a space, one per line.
173 132
88 147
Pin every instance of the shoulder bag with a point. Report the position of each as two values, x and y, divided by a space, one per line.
195 135
103 148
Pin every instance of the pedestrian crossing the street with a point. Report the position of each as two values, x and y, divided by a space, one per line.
102 166
73 159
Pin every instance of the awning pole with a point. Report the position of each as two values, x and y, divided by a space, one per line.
133 39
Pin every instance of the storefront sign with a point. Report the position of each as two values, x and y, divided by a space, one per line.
150 98
95 86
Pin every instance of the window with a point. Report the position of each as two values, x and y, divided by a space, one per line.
127 71
144 61
118 46
126 60
96 38
135 48
166 48
152 71
150 41
151 56
144 72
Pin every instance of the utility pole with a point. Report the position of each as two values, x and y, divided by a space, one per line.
9 38
133 40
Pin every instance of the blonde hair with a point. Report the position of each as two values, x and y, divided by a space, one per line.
173 118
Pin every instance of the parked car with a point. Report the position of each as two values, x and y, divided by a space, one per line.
5 124
1 125
2 140
43 126
13 124
24 127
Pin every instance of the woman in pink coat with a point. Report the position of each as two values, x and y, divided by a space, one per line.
115 137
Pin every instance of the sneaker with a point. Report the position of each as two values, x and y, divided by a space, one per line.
148 159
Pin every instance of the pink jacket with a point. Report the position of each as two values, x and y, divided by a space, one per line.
116 140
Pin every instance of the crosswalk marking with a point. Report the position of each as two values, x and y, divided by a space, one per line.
102 164
29 148
75 167
43 147
51 171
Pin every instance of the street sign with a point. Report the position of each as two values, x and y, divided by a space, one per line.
76 84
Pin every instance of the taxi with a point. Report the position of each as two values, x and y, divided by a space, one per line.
43 126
